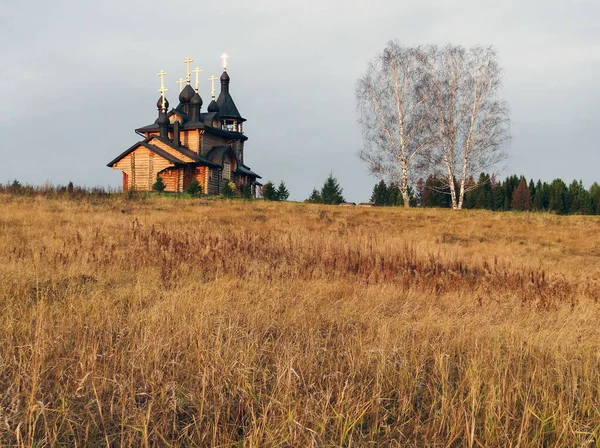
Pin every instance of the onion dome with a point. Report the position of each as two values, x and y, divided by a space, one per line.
196 100
159 103
213 106
186 94
225 77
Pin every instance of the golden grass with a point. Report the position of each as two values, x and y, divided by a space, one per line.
207 323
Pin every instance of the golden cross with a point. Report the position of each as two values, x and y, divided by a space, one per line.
181 81
197 71
212 79
162 91
162 74
224 56
187 61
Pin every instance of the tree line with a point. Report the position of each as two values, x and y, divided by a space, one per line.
330 193
513 193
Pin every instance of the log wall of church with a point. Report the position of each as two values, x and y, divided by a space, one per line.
191 140
201 175
170 178
238 148
127 165
213 180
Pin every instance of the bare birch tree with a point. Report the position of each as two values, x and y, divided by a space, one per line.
469 121
392 102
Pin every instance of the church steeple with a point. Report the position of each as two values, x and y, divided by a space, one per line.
228 112
213 106
163 106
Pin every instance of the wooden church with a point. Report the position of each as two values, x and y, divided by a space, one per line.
187 144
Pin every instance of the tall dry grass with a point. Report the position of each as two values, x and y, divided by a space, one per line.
205 323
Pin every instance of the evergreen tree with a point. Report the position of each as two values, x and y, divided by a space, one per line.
70 186
586 202
331 192
394 197
547 190
595 198
539 202
498 196
435 193
194 189
471 199
510 185
159 185
380 194
572 198
315 197
558 193
484 198
282 192
521 200
269 192
531 188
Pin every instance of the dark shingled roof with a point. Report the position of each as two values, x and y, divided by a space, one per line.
183 150
216 155
243 169
152 148
164 154
227 108
186 152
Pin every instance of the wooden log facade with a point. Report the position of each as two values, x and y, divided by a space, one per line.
186 144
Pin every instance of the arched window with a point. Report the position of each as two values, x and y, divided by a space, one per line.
229 165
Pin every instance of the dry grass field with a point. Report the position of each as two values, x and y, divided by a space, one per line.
165 322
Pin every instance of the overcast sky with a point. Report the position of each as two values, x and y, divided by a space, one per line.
79 77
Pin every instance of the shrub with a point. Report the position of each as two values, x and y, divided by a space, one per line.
315 197
159 185
229 189
194 189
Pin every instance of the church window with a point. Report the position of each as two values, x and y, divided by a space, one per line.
226 169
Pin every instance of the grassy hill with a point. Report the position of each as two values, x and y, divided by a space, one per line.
212 323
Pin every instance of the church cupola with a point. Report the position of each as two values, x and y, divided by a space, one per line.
185 97
195 106
213 107
231 120
186 93
162 103
225 79
163 120
196 101
163 106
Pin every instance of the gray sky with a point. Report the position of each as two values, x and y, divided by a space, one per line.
79 76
